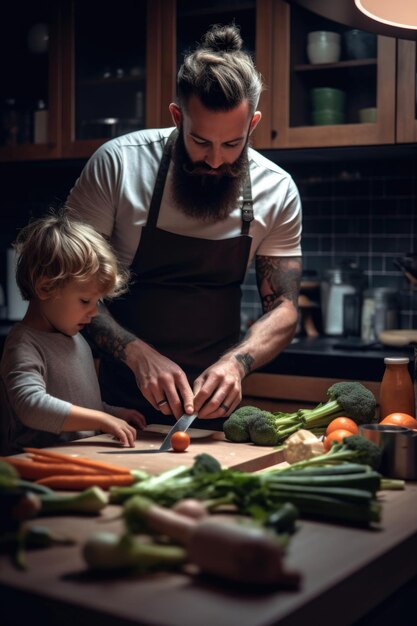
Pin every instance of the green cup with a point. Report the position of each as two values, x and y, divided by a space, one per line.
328 98
327 117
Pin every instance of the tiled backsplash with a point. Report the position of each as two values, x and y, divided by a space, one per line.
362 211
365 211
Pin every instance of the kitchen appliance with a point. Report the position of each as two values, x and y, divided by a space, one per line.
338 284
3 310
352 314
16 306
380 312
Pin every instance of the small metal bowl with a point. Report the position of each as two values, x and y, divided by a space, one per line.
399 449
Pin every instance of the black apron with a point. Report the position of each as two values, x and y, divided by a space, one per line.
184 300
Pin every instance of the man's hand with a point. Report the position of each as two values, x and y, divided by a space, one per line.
162 382
218 390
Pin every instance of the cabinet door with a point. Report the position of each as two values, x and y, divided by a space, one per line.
407 92
107 55
367 81
187 21
30 104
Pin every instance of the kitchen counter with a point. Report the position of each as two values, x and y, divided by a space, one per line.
346 573
334 357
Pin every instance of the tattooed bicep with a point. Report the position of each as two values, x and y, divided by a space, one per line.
278 279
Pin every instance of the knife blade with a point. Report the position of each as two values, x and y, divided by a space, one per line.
182 424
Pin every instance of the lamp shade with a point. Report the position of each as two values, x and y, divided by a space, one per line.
347 13
401 13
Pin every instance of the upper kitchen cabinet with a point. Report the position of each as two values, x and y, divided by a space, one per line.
30 88
333 90
186 22
107 70
76 74
407 92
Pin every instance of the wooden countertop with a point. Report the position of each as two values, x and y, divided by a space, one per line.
345 571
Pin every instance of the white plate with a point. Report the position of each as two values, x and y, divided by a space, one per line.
163 429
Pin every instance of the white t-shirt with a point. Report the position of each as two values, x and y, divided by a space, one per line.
114 191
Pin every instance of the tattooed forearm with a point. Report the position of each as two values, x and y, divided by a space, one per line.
278 279
109 337
246 361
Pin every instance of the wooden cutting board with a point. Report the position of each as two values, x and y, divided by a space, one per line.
398 338
243 456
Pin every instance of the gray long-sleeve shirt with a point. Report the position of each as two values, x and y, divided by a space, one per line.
43 374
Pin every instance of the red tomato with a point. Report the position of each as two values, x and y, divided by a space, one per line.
180 441
400 419
336 435
344 423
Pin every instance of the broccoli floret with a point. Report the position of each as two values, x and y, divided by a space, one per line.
205 464
236 427
266 429
357 449
350 399
353 449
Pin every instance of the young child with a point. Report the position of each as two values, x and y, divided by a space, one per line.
50 387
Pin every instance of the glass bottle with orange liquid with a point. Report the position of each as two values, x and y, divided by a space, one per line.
396 393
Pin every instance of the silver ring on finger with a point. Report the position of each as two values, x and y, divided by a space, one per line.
162 402
224 407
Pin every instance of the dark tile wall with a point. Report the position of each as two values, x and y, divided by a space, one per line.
363 211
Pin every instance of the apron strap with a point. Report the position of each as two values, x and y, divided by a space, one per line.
247 205
160 181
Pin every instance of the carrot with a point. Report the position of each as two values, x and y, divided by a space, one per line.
105 468
31 470
81 482
39 458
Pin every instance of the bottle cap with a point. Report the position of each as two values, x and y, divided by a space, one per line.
396 360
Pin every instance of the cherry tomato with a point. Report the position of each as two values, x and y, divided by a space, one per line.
400 419
336 435
180 441
344 423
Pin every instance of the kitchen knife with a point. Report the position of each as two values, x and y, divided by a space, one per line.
182 424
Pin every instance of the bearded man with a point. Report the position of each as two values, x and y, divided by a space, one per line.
188 209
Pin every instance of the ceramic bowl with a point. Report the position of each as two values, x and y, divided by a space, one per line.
359 44
323 52
325 98
323 35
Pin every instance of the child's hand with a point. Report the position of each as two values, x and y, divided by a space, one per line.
120 429
133 417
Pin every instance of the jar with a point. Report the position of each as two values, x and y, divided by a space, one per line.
380 312
335 286
396 394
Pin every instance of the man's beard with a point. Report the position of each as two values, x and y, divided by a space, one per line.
200 194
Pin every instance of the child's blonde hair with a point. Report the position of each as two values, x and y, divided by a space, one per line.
61 249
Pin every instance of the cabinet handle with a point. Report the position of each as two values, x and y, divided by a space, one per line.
274 134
